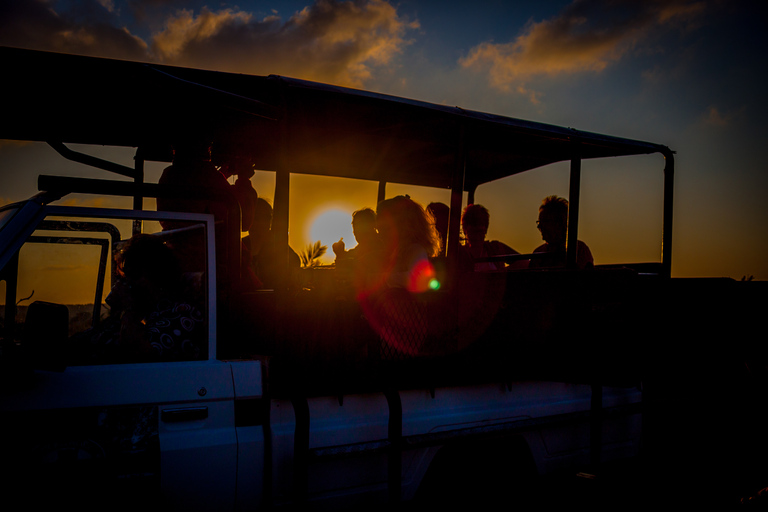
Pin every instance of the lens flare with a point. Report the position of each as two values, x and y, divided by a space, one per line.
421 277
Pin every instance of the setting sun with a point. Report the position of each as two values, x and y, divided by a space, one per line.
329 226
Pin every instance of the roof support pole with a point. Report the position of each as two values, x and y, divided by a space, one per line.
93 161
381 192
573 207
457 192
282 192
138 178
666 236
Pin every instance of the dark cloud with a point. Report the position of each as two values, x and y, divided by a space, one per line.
587 36
338 41
89 28
331 40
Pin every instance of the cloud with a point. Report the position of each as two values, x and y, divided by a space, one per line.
331 41
90 28
339 41
587 36
715 117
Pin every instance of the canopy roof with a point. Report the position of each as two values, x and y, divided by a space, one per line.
277 122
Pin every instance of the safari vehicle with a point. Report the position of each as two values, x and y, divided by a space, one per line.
303 398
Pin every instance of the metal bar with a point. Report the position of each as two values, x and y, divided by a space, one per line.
102 275
68 185
382 191
666 237
231 258
92 161
573 209
457 193
280 215
138 201
508 258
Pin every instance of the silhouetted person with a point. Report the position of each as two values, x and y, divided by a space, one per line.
193 174
152 317
408 240
440 213
553 224
364 230
402 270
193 171
260 242
244 193
474 222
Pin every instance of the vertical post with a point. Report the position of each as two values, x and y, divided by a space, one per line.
280 214
666 236
138 178
457 192
573 207
381 194
280 210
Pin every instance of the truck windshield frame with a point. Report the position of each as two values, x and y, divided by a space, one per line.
204 220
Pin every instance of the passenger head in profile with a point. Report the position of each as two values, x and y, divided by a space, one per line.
408 239
366 236
474 223
553 225
440 213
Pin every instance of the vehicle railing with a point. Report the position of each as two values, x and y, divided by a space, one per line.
62 185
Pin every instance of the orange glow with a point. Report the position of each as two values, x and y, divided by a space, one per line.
329 226
421 277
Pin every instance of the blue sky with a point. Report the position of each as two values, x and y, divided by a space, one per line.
689 74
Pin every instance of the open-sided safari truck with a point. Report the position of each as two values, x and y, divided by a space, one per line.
302 393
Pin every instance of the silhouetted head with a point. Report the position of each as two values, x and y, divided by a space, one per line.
440 213
246 195
262 218
402 222
192 149
149 271
146 256
553 220
474 223
364 224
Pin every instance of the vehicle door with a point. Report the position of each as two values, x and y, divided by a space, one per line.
101 431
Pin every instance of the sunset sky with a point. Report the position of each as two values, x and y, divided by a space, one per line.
689 74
